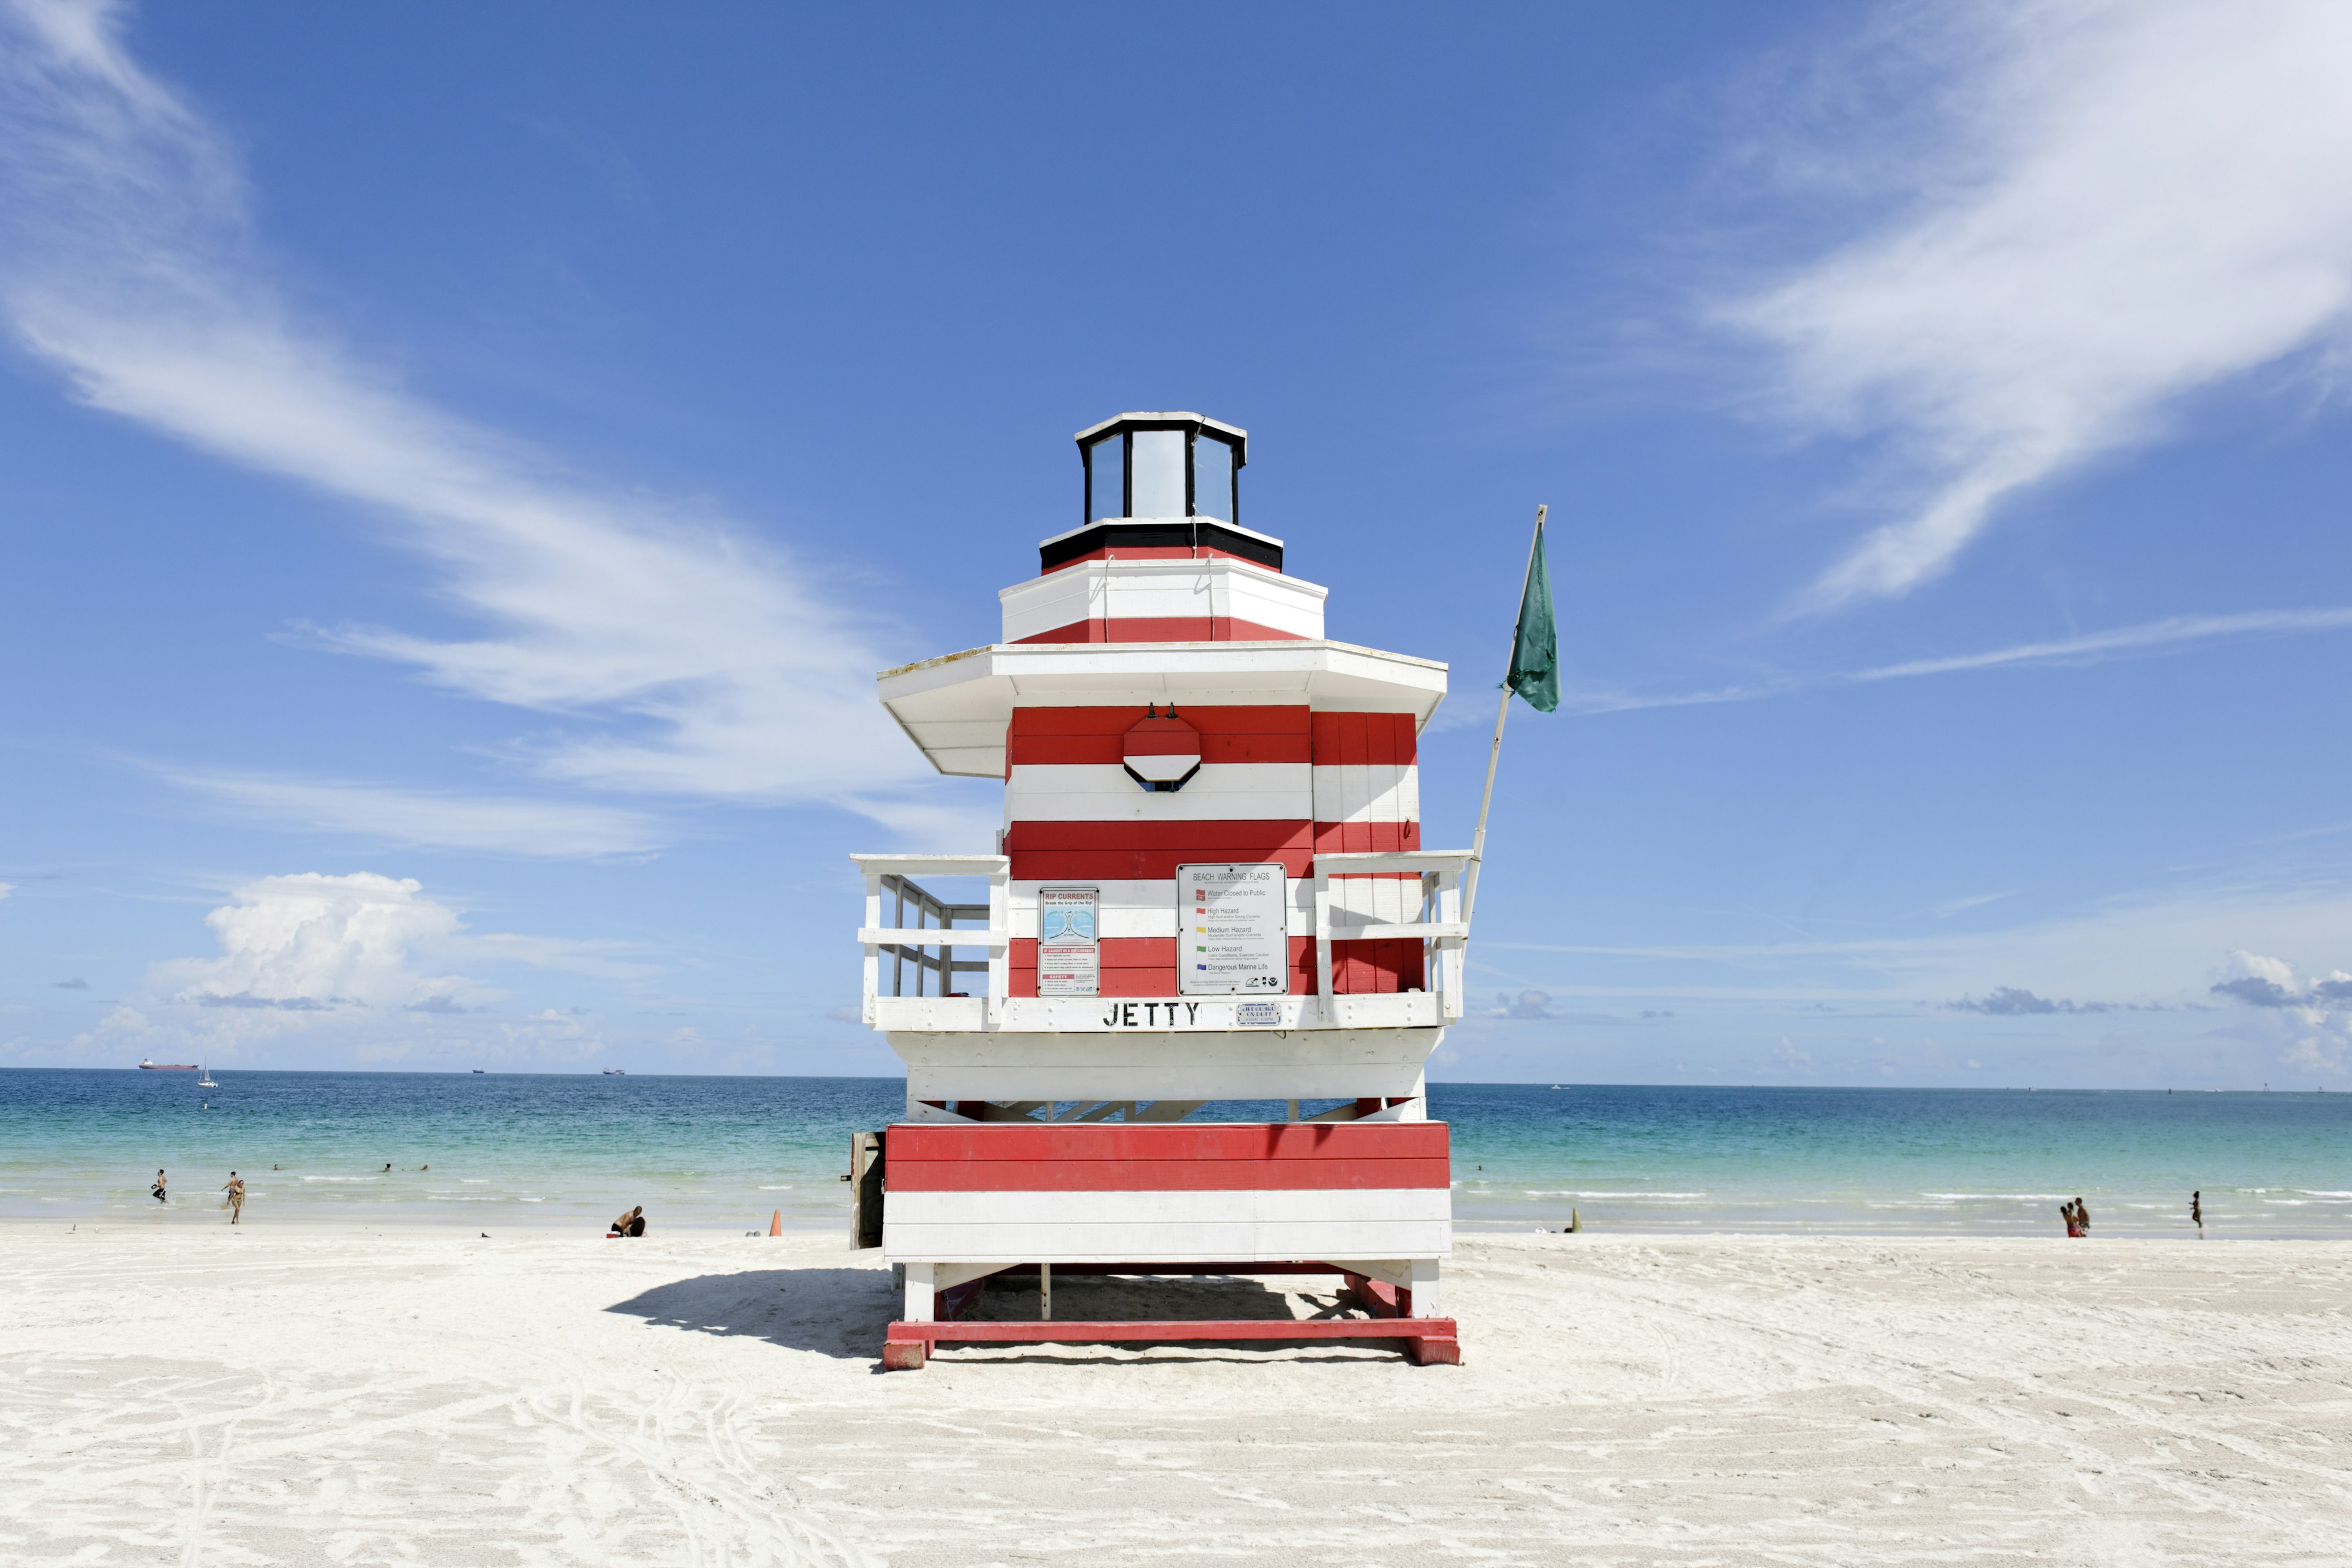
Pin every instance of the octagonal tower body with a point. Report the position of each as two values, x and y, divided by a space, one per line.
1178 741
1305 745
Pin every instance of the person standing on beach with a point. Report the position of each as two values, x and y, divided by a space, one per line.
236 1191
2066 1213
2197 1212
159 1196
2083 1216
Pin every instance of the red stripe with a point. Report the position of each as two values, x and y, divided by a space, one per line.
1158 552
1045 749
1231 733
1360 738
1145 966
1164 628
1365 839
1238 1140
1209 718
1150 851
1164 1176
1376 968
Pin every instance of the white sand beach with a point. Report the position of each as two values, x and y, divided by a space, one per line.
297 1395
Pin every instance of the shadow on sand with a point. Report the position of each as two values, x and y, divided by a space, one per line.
843 1312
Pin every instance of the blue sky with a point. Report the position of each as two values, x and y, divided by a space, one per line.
462 468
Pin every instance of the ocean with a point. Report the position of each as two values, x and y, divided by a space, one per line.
724 1154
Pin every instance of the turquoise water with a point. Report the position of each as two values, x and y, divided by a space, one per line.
723 1153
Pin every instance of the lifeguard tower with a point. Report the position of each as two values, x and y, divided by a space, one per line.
1210 894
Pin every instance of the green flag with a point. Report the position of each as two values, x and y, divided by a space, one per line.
1535 656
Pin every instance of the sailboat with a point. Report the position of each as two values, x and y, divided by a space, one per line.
206 1081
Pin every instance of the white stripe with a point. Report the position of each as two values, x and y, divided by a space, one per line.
1136 908
1131 590
1374 791
1102 792
1411 1222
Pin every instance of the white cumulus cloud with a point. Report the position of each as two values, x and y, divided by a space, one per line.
354 953
310 941
2121 203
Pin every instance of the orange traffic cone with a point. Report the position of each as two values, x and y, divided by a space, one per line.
776 1226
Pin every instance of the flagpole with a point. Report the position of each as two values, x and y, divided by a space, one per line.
1495 754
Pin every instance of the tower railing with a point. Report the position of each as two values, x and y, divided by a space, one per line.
913 929
1438 926
929 949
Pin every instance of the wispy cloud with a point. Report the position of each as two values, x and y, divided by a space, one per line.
689 657
2167 947
2115 204
2090 648
2093 646
1951 906
435 819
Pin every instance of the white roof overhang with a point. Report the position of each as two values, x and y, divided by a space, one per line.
956 707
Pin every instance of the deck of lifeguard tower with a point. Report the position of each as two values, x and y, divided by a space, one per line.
1166 715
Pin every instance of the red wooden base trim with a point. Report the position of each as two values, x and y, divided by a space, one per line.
1435 1350
1240 1142
1147 1270
903 1354
1028 1332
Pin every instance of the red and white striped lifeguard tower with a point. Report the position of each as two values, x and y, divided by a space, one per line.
1211 889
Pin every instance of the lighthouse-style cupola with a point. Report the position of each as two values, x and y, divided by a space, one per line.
1160 555
1163 467
1208 896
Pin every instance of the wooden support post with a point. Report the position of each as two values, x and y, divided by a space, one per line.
920 1292
1425 1301
1046 1292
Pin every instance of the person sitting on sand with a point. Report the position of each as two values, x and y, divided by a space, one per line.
158 1189
630 1223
